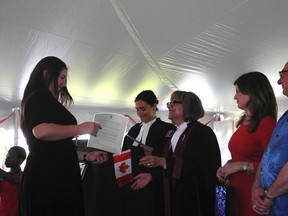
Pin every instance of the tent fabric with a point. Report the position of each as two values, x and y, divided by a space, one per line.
115 49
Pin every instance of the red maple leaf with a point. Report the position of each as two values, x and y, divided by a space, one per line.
123 167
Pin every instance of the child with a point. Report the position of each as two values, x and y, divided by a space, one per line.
10 181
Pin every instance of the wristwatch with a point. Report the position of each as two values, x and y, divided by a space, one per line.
246 167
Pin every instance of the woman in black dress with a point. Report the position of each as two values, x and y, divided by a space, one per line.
51 183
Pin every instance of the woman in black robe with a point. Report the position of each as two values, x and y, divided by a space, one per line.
104 197
190 160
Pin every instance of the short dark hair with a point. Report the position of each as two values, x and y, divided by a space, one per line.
19 151
192 105
148 96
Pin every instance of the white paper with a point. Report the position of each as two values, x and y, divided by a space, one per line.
110 137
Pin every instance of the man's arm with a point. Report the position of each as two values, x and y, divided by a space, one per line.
259 203
280 185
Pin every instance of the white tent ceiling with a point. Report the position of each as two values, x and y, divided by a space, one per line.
115 49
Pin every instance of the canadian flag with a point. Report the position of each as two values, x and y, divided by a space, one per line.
123 168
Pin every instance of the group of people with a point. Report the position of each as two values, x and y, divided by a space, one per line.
258 171
183 159
175 169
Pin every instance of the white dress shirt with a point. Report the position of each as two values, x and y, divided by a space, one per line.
180 129
142 136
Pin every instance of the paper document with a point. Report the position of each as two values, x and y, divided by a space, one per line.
110 137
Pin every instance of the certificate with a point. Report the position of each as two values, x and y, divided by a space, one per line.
110 137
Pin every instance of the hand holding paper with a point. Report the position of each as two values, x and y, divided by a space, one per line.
111 137
90 128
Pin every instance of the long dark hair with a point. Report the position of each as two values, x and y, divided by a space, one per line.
46 72
262 98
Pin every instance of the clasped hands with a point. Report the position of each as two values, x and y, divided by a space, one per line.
261 204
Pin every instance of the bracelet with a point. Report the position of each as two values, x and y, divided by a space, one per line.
266 196
84 158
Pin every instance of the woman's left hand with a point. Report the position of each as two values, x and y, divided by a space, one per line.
97 157
141 181
152 161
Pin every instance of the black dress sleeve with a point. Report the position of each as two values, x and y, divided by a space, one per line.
40 107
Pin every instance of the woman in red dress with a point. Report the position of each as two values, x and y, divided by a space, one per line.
255 96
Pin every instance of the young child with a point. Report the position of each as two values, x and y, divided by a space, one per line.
10 181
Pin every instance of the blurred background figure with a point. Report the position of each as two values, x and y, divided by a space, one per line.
10 181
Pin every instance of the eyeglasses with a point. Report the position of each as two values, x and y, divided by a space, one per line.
281 73
172 103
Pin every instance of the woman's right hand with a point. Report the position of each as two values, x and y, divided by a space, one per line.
91 128
229 169
220 175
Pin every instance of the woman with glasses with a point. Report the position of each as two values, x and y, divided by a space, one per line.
255 96
140 197
189 160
